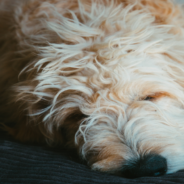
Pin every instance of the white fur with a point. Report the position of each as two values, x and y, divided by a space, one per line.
111 59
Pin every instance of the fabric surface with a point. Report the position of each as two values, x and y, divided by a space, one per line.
35 164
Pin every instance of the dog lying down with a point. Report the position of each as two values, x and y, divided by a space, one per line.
105 77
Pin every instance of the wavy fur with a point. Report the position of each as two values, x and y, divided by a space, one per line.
79 72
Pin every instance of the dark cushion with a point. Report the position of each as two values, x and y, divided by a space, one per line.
26 163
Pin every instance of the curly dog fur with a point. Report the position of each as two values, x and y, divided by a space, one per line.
105 77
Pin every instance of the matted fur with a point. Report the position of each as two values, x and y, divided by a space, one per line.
103 76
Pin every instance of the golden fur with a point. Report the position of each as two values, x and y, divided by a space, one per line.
67 68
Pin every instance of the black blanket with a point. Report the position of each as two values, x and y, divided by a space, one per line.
36 164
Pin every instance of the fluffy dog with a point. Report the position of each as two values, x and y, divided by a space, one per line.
105 77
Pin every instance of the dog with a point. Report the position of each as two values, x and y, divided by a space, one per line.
103 77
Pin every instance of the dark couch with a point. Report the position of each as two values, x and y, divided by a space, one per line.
37 164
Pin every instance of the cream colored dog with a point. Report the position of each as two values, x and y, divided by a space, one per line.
103 76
